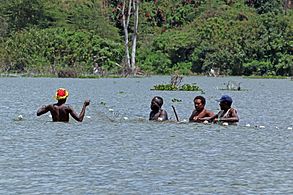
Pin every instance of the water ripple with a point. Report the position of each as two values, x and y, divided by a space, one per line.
121 152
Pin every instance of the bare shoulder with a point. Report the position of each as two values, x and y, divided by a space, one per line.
209 113
61 107
233 110
49 106
68 107
164 111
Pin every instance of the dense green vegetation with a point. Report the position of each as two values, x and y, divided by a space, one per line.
72 37
170 87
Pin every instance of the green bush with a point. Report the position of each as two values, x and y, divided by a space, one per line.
183 68
258 68
155 62
170 87
188 36
232 42
49 50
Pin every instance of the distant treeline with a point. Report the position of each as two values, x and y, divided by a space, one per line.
237 37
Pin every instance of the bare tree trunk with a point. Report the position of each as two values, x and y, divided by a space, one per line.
285 6
133 5
53 70
134 36
104 4
125 27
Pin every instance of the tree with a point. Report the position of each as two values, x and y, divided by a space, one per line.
265 6
22 14
127 12
3 26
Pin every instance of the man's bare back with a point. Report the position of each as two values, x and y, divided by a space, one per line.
60 111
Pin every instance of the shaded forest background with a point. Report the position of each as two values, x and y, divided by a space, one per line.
78 37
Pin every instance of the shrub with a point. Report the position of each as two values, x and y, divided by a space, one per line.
49 50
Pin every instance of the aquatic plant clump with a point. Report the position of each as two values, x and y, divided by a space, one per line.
170 87
190 87
165 87
265 77
176 100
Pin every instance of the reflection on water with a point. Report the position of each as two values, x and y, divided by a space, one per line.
116 150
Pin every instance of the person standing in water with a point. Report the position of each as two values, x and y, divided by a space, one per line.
200 114
157 113
227 113
60 111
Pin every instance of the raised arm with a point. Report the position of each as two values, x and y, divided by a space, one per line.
43 110
79 117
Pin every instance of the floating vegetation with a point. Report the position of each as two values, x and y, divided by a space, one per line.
266 77
176 100
175 85
170 87
232 86
190 87
224 89
165 87
103 103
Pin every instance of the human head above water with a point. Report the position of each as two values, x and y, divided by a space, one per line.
225 99
158 100
156 103
61 94
201 98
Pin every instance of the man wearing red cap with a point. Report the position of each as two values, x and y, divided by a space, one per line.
60 111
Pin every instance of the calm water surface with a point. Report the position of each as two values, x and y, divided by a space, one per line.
121 152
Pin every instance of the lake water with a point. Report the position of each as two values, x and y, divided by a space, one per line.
121 152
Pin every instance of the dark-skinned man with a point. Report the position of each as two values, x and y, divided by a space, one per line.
200 113
227 114
157 113
60 111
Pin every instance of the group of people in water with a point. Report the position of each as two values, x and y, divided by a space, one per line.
60 111
200 114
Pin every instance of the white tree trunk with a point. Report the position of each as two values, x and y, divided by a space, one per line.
134 36
130 66
125 27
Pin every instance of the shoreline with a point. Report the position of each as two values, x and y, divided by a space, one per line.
92 76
